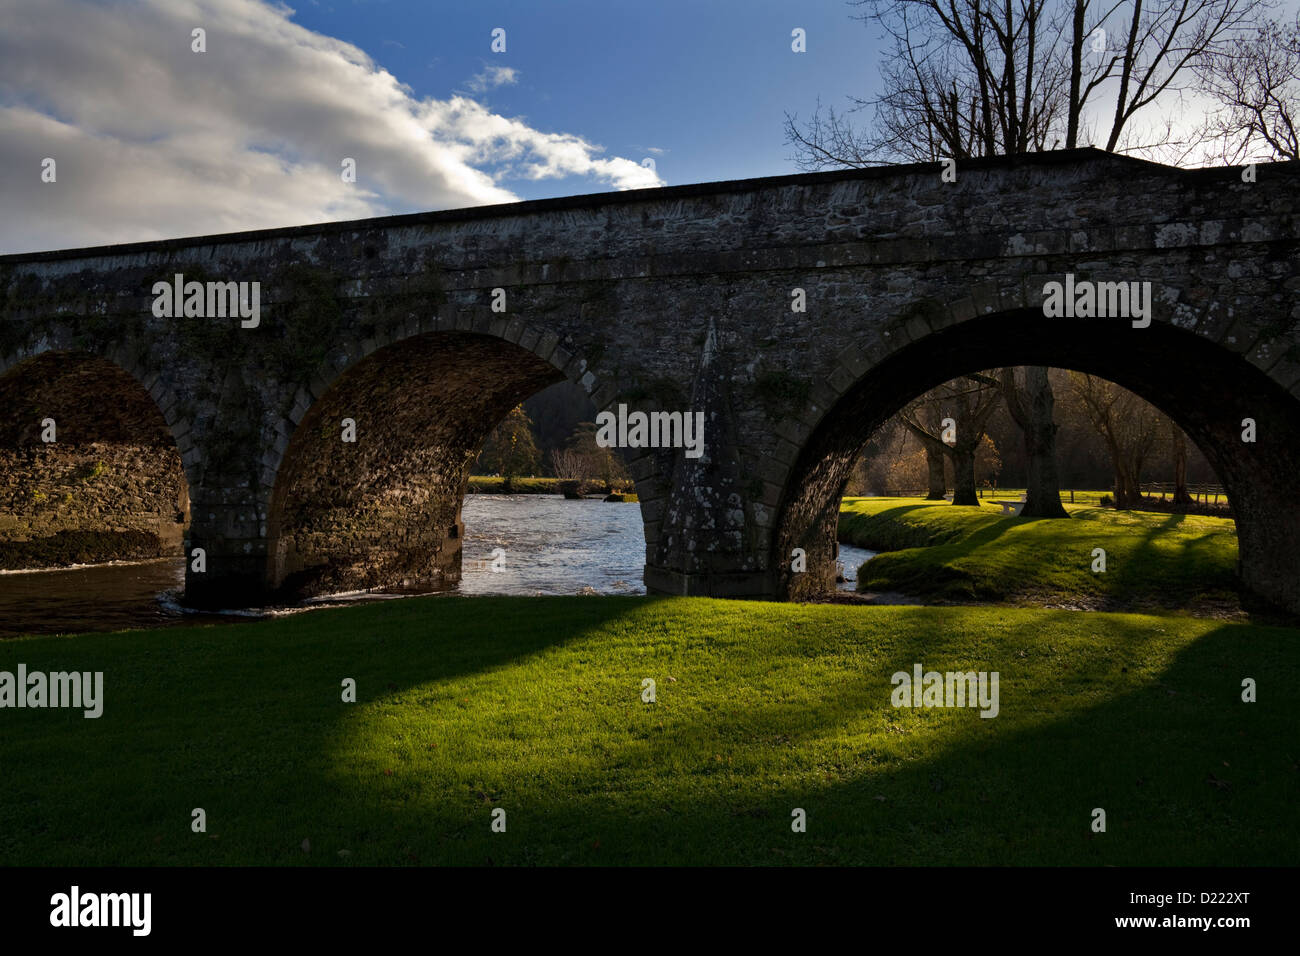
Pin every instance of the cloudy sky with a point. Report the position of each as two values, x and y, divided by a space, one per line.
152 139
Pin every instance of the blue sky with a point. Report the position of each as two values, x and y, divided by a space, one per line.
708 81
155 134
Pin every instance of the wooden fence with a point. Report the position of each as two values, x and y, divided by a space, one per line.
1202 493
983 493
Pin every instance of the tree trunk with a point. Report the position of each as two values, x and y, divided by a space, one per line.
1128 494
1181 497
963 475
935 450
1035 416
934 463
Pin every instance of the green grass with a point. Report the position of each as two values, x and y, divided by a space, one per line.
533 705
943 552
490 485
1081 497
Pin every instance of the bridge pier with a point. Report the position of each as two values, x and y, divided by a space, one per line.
708 542
231 570
709 583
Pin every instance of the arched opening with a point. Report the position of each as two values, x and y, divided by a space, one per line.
1203 387
89 474
369 494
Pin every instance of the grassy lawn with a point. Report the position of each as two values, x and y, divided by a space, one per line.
491 485
1089 497
534 705
939 551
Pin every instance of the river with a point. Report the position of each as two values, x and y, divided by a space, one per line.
539 544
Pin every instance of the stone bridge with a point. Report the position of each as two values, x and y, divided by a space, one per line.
669 299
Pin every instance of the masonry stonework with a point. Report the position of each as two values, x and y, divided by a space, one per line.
672 299
110 485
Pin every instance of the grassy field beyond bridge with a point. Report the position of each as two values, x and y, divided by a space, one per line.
942 552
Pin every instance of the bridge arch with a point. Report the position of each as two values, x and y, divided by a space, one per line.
385 510
1206 387
115 481
61 348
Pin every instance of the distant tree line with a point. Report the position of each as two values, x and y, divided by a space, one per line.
1104 437
552 434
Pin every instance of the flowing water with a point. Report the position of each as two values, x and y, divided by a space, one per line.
539 544
95 597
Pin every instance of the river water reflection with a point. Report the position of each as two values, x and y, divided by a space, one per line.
542 544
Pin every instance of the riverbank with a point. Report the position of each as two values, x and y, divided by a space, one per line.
534 706
940 552
514 544
492 485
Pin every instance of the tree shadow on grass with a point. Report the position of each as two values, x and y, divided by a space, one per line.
1095 711
191 715
1145 561
934 567
1150 571
1017 789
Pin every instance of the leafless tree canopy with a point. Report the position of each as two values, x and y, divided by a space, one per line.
1257 81
967 78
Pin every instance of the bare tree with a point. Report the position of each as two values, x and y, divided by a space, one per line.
922 420
1129 427
969 401
1178 452
1031 406
967 78
569 465
1257 83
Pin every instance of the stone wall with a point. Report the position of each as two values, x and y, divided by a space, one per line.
110 487
384 511
663 298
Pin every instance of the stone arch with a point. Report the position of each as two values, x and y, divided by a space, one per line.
471 366
116 482
164 397
1208 389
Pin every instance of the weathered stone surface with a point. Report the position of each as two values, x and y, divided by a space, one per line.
112 476
909 281
384 511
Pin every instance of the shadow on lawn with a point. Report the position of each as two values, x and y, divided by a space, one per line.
1019 795
1016 789
926 787
1187 570
919 573
1145 562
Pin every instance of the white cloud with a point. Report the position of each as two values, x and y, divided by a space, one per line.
153 140
492 77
